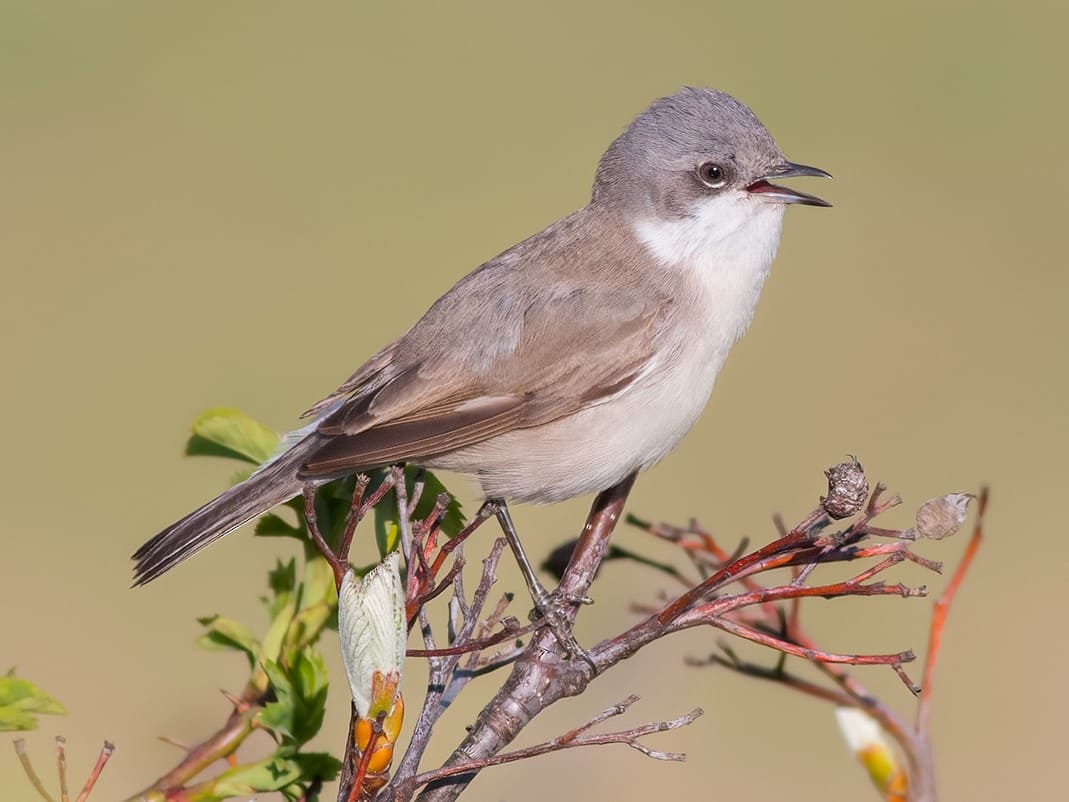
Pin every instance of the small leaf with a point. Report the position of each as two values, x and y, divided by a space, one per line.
21 702
280 772
301 693
283 577
13 720
231 433
270 774
272 525
387 532
226 633
318 583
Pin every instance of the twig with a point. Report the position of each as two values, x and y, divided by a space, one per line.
814 655
27 766
940 611
312 524
443 682
353 518
61 767
540 676
480 644
571 740
94 775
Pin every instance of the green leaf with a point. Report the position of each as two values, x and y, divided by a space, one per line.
226 633
13 720
387 532
301 693
276 633
269 774
283 772
317 765
21 702
272 525
283 577
225 432
318 583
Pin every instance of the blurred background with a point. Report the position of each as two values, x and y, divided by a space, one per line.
234 204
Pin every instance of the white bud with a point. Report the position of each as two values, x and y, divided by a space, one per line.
941 517
859 729
373 634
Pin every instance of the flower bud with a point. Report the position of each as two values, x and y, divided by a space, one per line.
870 746
373 635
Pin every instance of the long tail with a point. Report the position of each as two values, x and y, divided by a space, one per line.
274 483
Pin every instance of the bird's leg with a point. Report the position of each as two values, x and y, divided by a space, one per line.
546 605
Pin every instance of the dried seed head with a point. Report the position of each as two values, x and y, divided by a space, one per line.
847 489
941 517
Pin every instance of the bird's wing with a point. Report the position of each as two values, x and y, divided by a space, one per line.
492 358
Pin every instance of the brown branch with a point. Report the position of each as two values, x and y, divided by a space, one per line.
570 740
27 766
224 741
61 768
444 682
541 675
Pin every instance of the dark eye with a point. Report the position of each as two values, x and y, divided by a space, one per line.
712 175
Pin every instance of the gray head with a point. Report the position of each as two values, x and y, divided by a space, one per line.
691 146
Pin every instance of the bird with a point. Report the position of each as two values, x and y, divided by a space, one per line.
574 359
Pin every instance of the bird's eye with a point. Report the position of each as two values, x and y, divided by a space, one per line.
712 175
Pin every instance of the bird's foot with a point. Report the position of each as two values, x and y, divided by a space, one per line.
556 612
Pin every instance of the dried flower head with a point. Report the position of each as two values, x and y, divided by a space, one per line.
847 489
941 517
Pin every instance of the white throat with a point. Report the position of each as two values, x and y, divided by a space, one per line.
726 246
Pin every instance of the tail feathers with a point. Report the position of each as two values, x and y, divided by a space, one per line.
273 484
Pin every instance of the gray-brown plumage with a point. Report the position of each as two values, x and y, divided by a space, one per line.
574 358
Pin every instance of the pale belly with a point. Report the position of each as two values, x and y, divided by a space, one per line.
593 449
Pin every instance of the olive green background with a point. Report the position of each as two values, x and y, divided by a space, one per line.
209 204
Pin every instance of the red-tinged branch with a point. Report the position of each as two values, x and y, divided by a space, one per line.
570 740
808 653
940 612
105 753
512 630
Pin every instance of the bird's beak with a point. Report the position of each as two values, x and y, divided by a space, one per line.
778 194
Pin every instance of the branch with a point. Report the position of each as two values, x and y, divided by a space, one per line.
570 740
541 675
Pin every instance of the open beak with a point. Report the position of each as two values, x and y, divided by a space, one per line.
773 192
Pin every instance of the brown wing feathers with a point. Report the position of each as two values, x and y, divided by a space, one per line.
419 436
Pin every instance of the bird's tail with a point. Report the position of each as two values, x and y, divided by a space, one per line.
274 483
